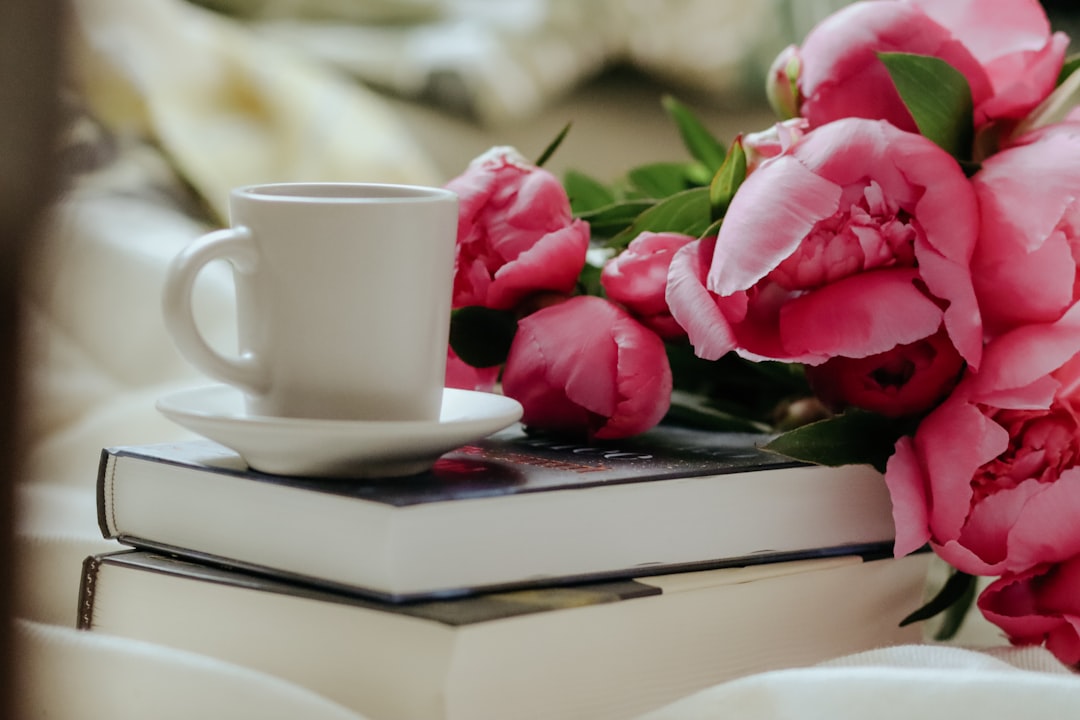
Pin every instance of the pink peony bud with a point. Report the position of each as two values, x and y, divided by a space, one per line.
636 278
907 380
586 366
782 86
516 235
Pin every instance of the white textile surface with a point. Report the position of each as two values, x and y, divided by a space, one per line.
64 673
183 104
911 681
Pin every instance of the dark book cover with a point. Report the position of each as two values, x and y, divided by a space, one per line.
508 463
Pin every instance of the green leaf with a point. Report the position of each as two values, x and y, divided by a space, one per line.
686 212
659 180
938 97
735 386
553 146
691 410
481 336
700 143
1068 68
613 219
727 180
855 437
956 613
954 599
585 193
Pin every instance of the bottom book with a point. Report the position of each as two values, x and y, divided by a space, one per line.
604 650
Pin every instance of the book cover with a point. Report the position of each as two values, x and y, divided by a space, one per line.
506 511
594 650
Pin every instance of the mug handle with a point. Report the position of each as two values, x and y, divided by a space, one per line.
238 247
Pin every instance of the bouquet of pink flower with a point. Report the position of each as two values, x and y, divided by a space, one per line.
887 276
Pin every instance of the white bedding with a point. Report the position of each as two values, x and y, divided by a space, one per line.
191 104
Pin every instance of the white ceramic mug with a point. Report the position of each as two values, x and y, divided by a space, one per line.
343 299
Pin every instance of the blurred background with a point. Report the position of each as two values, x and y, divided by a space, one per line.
465 74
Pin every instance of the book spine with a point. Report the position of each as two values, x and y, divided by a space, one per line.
106 474
87 589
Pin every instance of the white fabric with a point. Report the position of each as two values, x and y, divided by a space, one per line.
63 673
900 683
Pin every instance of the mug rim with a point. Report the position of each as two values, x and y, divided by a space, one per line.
341 192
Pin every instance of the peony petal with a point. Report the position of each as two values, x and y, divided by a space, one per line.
880 310
986 532
644 381
954 441
694 307
1036 396
1011 603
777 206
1023 80
1025 191
1047 530
1027 194
1026 287
553 263
1027 355
907 485
527 378
991 28
583 356
540 203
1041 605
952 282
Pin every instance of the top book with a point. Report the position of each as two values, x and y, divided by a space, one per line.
508 511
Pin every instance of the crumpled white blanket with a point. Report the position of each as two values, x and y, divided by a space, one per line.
500 61
910 681
189 103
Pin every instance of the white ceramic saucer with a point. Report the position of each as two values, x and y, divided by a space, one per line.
338 448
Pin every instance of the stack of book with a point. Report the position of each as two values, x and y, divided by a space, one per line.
520 577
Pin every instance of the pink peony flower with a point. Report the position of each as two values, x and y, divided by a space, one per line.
516 235
991 477
855 241
637 279
906 380
585 365
1025 263
1004 48
1037 606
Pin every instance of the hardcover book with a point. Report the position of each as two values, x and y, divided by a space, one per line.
508 511
592 651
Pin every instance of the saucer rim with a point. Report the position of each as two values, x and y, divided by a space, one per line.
168 406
